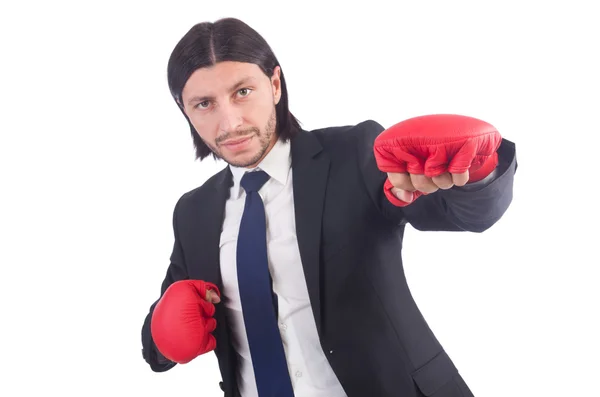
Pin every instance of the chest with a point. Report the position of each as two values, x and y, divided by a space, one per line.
283 252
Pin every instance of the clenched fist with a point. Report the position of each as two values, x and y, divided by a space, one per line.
423 154
182 320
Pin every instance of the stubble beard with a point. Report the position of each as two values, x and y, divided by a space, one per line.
265 138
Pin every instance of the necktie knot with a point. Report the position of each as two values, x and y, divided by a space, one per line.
253 181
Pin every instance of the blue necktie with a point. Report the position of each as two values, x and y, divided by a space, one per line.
266 347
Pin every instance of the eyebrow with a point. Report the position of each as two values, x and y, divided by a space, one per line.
240 83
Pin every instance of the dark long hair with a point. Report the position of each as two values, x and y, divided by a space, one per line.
227 39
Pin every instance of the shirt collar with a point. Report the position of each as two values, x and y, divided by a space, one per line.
276 164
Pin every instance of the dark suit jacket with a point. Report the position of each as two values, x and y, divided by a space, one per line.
350 239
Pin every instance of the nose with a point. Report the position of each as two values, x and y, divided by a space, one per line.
230 118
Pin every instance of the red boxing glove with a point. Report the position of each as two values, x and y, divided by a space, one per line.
182 321
435 144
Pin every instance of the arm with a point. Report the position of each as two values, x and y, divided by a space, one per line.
175 272
473 207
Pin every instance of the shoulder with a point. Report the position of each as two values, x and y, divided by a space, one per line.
362 134
207 190
342 132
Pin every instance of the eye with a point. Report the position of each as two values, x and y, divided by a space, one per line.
244 91
202 105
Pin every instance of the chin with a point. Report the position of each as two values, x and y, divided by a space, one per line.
243 159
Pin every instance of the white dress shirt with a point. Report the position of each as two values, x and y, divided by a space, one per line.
309 369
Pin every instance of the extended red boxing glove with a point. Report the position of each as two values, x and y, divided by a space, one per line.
434 144
182 321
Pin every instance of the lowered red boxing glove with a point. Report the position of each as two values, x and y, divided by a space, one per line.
182 321
435 144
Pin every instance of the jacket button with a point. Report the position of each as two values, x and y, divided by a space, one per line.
222 386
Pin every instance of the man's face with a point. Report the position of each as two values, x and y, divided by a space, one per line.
232 107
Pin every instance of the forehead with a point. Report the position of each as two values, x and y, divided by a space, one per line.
220 78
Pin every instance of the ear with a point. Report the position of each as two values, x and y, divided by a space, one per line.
276 84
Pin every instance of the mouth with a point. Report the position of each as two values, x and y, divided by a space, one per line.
236 143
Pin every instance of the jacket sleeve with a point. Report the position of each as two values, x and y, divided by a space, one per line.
473 207
176 271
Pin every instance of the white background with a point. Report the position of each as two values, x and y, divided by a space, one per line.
94 154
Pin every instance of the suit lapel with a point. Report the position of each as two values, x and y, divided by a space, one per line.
208 224
310 172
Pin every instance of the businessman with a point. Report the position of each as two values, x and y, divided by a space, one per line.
287 263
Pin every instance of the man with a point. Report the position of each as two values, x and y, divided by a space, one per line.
287 262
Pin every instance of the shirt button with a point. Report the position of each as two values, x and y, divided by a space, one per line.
298 374
283 327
